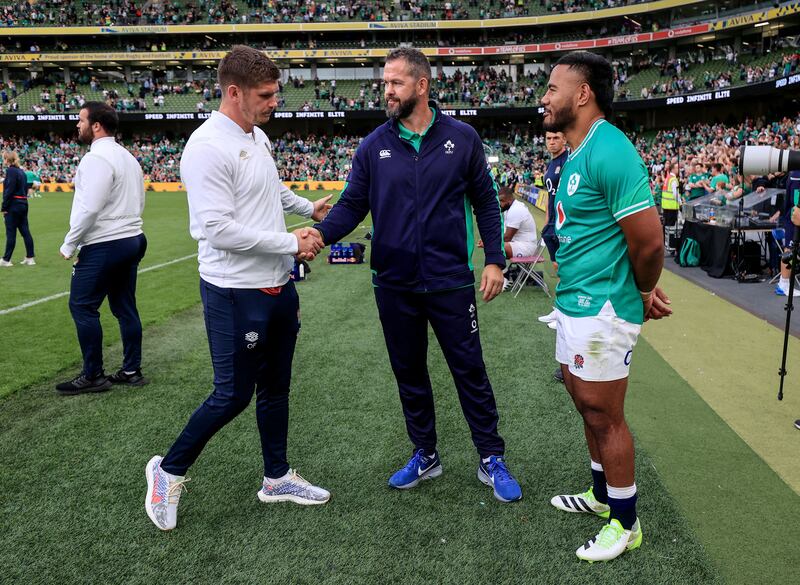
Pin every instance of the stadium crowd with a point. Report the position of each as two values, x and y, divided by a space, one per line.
521 153
475 87
485 86
55 158
689 73
165 12
421 38
704 151
123 97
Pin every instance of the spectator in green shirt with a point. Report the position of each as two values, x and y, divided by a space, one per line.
719 180
33 181
695 182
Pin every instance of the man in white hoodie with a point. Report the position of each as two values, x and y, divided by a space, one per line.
236 213
106 225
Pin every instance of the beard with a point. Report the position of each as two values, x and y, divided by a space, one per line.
86 136
560 120
263 117
403 109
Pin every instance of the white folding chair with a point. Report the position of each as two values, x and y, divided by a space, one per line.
527 269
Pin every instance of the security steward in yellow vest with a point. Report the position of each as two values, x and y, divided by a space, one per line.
670 197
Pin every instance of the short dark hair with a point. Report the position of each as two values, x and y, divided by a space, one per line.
103 114
246 67
506 192
718 167
598 74
418 64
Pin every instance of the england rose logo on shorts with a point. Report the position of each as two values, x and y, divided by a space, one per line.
578 361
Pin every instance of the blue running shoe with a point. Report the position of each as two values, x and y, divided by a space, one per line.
418 468
785 293
496 474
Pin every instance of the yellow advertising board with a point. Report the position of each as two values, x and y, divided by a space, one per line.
756 17
178 187
140 56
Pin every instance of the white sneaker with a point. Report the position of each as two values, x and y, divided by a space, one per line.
549 318
5 263
553 325
779 290
584 502
292 488
507 284
28 262
610 542
163 494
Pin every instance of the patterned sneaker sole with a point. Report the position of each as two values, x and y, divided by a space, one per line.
290 498
486 480
631 546
604 514
430 474
148 472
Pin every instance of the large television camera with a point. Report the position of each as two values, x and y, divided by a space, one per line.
766 160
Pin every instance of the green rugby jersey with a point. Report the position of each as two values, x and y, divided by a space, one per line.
697 191
603 181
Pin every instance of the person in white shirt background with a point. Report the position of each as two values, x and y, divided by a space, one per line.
520 235
519 238
236 213
106 228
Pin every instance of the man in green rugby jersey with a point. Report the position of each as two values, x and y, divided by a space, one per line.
694 185
610 257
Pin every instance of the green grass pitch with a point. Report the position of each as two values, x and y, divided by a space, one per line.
72 469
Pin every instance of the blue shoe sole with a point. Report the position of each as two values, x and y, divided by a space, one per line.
430 474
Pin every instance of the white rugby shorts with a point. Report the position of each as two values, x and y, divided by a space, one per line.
596 349
523 248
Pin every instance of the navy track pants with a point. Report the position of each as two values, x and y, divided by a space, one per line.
454 318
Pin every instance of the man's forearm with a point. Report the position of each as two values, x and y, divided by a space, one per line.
647 264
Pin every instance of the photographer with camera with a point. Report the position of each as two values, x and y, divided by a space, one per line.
788 221
795 222
762 160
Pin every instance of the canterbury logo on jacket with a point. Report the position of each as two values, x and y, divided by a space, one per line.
421 205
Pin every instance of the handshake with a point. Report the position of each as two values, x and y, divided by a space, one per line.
309 243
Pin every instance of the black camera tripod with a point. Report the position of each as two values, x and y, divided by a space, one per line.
791 259
738 263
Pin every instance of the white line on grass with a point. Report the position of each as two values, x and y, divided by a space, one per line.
142 271
288 227
63 294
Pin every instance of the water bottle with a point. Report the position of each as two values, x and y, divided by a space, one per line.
711 214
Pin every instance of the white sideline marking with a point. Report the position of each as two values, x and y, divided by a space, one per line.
142 271
63 294
288 227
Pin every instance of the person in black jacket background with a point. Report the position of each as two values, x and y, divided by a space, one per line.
15 210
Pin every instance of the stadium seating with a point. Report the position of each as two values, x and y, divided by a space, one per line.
486 89
160 12
713 69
